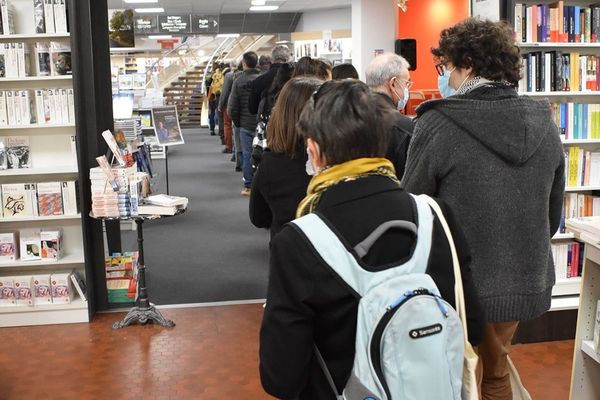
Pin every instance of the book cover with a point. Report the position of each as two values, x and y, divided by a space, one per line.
38 16
31 198
71 105
12 66
114 147
15 201
42 291
60 16
597 328
79 285
3 109
18 112
60 55
62 292
30 244
50 106
49 16
49 198
8 247
21 60
69 195
7 292
39 107
26 105
51 245
5 22
2 62
64 107
42 59
24 290
16 150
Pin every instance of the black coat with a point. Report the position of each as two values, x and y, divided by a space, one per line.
308 303
237 105
278 186
400 139
259 85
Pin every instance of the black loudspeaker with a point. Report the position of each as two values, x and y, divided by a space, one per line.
407 48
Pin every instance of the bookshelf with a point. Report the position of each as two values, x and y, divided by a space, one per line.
552 54
53 158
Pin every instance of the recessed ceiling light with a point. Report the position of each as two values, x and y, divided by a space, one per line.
258 2
149 10
157 37
263 8
140 1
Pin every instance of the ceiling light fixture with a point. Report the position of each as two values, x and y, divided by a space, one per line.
258 2
159 37
263 8
140 1
149 10
228 35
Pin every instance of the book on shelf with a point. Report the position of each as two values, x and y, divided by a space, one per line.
38 16
7 292
16 200
582 167
42 59
14 152
49 16
8 21
60 57
42 289
51 245
30 244
62 291
557 23
69 197
24 290
114 147
568 260
50 200
79 285
580 225
8 247
60 16
121 273
577 121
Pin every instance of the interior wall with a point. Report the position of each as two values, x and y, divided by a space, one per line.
335 19
423 21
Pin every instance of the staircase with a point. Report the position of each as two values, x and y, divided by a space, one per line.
186 93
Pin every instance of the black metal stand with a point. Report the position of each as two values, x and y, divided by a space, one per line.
144 311
167 166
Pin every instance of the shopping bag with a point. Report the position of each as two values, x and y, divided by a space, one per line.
519 391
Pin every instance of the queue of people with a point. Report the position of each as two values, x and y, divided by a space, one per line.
339 151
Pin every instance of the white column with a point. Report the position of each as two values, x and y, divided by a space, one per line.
373 27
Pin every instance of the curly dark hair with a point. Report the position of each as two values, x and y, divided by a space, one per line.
488 47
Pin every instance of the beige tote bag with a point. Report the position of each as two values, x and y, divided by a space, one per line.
470 390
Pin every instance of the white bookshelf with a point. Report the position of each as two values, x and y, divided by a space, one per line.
567 287
69 259
587 346
552 45
41 219
581 188
563 236
50 170
76 311
564 303
561 94
579 142
53 158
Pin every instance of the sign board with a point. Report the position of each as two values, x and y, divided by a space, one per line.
143 24
166 126
174 23
205 24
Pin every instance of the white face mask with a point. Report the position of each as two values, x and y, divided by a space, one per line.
310 169
401 100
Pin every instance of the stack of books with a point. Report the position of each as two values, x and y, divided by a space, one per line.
162 204
131 128
568 260
121 277
38 199
587 228
33 290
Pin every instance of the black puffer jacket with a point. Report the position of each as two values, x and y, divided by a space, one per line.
237 106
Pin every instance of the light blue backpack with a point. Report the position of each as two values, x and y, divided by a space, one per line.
409 341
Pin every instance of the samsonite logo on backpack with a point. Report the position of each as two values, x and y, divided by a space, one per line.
409 341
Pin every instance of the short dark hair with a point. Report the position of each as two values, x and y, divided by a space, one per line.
348 121
250 59
344 71
488 47
264 60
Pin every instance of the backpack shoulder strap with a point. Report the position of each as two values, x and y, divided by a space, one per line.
344 262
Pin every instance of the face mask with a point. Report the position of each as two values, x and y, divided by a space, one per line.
401 100
444 83
310 170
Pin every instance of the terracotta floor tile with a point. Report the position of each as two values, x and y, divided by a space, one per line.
212 353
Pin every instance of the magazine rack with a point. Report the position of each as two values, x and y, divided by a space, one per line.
143 311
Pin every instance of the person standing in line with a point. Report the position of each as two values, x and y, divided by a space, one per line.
497 160
281 179
355 190
344 71
264 63
388 76
237 108
260 86
223 100
212 99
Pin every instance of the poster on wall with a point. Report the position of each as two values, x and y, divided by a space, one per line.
120 28
486 9
166 126
174 24
145 24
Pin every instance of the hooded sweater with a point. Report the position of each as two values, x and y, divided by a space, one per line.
497 160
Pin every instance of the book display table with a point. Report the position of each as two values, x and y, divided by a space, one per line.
143 311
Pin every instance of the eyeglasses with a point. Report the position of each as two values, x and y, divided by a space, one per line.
440 68
407 84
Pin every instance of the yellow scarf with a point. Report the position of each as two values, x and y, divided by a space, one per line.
348 171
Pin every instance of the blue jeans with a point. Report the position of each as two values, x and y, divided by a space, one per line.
246 137
237 146
212 115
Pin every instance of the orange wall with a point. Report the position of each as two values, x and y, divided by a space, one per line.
424 20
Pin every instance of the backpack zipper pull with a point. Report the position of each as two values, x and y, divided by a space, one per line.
395 304
442 307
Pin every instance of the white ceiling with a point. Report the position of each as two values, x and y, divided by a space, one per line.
230 6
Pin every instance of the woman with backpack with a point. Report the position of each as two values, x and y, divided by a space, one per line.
355 191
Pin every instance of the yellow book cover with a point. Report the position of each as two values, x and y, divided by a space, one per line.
573 166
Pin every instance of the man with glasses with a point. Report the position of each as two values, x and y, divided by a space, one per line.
388 76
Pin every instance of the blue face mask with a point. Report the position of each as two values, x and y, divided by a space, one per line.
444 83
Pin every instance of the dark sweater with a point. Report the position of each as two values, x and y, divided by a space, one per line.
307 303
259 85
497 160
278 186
